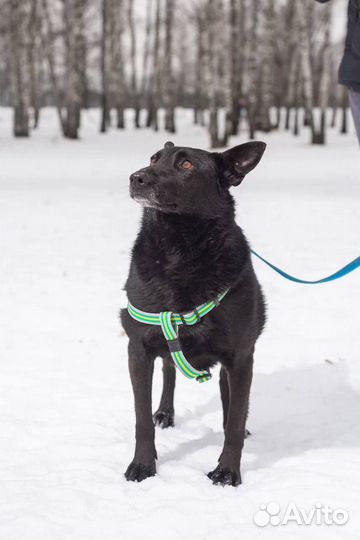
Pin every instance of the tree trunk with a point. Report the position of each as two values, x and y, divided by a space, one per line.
34 59
73 18
169 90
19 23
156 68
145 59
133 78
47 41
104 61
199 96
81 52
267 67
119 67
253 68
290 59
154 86
215 27
297 96
319 132
235 69
305 13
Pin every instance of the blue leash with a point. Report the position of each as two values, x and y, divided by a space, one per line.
339 274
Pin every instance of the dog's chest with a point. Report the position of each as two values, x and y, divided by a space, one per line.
199 342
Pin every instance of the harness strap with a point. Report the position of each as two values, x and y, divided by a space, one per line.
170 331
169 322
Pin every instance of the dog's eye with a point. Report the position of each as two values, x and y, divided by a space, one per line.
186 164
153 160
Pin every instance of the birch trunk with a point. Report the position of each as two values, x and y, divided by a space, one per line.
305 10
73 16
154 83
291 58
18 33
133 78
253 68
104 66
34 60
118 70
214 28
169 86
319 131
47 41
146 54
233 86
266 99
199 96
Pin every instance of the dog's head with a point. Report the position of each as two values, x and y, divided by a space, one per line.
191 181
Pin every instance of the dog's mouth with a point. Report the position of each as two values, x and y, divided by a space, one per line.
152 202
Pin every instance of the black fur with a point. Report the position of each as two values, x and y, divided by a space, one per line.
188 250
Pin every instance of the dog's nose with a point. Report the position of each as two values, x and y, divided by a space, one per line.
140 179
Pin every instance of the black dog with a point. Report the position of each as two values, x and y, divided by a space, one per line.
189 250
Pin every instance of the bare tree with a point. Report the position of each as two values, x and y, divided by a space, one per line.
146 52
154 83
19 13
266 81
48 44
319 131
73 12
317 123
253 68
233 90
34 59
133 78
297 95
117 76
199 65
104 65
305 15
215 27
169 90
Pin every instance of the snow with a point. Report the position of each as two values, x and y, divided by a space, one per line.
67 419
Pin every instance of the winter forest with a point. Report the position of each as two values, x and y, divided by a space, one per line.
249 65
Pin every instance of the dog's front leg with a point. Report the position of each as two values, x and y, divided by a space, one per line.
164 416
141 367
239 377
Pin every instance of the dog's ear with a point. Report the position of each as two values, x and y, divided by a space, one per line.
169 144
240 160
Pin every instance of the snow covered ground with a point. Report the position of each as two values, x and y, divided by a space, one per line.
66 406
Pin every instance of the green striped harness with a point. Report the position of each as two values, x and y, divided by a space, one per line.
169 322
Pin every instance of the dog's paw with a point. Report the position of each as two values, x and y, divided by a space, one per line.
137 472
164 419
224 476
